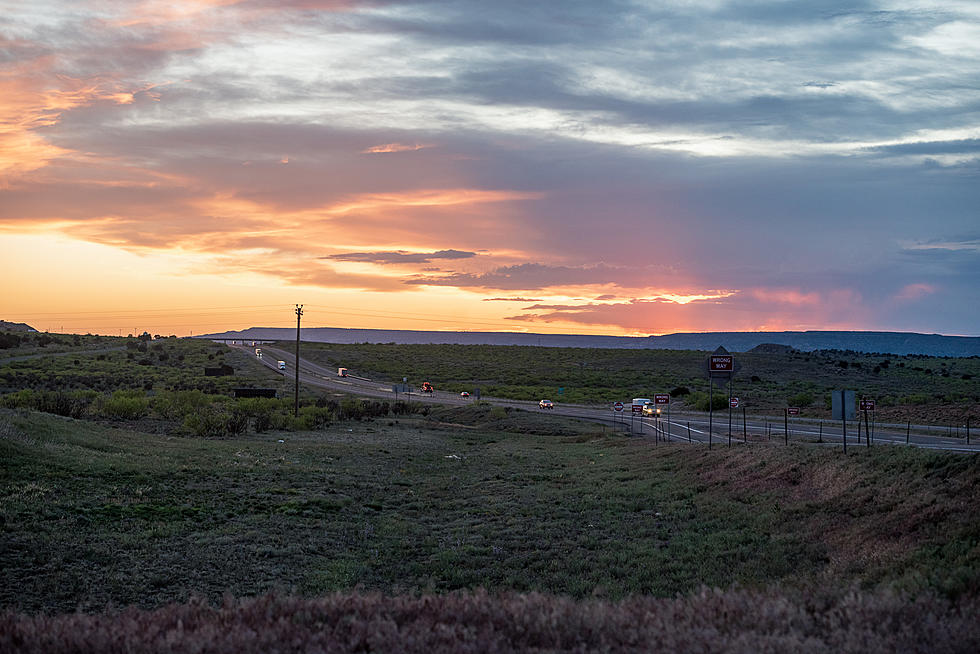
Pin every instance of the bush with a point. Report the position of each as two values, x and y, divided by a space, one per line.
801 400
177 405
122 405
8 340
680 391
313 417
699 401
63 403
216 422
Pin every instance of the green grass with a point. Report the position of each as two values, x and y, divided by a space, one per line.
461 499
129 363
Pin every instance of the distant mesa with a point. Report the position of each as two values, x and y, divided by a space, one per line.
895 343
15 327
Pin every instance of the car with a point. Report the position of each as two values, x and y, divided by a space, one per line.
464 394
282 365
651 409
546 404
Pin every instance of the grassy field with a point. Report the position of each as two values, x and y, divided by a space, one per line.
463 498
921 389
130 478
106 363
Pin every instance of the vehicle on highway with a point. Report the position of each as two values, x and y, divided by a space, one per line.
282 365
546 404
464 394
426 388
258 352
341 372
651 409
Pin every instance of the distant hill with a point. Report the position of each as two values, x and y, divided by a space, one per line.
15 327
898 343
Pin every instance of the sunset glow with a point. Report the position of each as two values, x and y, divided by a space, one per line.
199 166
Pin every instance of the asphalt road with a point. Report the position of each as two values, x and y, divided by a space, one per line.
686 427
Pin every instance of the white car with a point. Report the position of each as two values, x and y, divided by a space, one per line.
546 404
464 394
650 409
282 365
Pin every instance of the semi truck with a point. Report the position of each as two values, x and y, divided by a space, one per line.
341 372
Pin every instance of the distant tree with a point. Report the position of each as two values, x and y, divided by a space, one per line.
8 340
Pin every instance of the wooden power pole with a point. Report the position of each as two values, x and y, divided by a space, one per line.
299 314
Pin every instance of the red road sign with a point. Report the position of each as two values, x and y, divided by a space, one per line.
793 411
662 398
733 402
637 408
618 406
867 405
721 363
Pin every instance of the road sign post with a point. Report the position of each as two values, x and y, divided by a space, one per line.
711 401
866 406
790 411
664 398
720 364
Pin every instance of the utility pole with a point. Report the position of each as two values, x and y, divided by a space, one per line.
299 314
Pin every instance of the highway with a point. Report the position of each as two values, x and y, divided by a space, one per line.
684 427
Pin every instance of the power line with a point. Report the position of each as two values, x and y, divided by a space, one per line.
202 310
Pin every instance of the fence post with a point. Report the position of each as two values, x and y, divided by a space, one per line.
843 420
908 430
867 430
689 431
786 425
820 438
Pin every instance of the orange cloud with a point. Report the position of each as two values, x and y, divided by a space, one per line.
32 97
394 147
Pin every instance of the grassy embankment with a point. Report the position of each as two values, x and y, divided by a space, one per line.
93 515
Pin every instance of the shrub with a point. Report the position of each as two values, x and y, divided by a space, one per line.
216 422
699 400
680 391
63 403
801 400
313 417
177 405
8 340
122 405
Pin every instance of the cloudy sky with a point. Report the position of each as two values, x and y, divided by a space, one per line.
615 167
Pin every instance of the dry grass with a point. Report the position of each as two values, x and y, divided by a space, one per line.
708 621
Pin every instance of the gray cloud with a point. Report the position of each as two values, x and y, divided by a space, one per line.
528 276
400 257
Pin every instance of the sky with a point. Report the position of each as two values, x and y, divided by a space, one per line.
617 167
